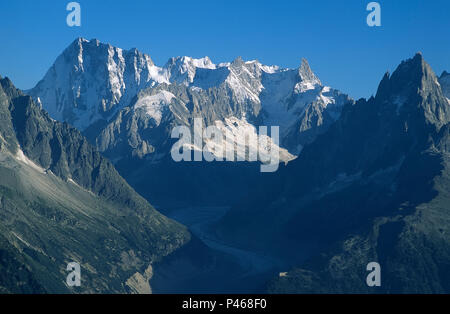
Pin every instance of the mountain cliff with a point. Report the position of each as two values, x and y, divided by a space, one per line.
62 202
127 107
373 188
91 82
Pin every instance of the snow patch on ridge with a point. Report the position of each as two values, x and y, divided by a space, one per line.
244 136
20 156
399 101
154 105
182 70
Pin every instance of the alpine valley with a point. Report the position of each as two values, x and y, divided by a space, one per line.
359 181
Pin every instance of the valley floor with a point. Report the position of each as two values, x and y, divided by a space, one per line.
228 269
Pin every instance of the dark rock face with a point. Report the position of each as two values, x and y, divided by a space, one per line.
444 81
373 188
61 202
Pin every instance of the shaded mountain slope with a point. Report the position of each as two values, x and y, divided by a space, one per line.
373 188
61 202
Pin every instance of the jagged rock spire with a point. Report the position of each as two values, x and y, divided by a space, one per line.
414 88
306 73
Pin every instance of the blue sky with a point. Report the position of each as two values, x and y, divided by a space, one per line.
333 35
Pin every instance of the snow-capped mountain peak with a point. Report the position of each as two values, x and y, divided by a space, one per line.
306 74
93 84
90 81
182 70
308 80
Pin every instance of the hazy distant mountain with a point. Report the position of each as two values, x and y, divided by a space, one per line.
61 202
373 188
127 107
91 82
